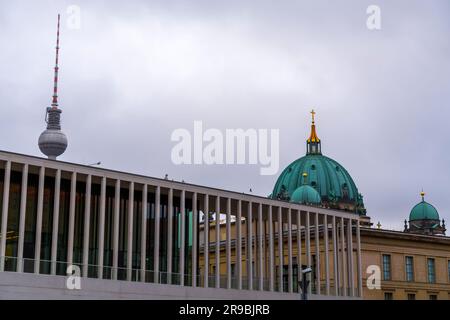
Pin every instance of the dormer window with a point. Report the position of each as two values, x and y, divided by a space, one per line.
344 190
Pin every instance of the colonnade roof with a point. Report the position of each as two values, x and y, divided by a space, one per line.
164 183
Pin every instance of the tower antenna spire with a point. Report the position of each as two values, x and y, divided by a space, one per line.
55 80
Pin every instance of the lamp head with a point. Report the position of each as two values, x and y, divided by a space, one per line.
307 270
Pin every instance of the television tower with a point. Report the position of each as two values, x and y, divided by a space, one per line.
52 141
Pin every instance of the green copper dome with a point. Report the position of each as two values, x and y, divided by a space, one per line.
424 219
423 211
331 180
306 195
327 176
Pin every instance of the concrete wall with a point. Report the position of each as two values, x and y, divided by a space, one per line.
31 286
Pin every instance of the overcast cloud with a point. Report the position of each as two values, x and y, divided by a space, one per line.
138 70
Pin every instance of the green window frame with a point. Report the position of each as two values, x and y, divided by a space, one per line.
448 268
431 270
409 267
386 266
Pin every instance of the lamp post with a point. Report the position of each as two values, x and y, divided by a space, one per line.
304 283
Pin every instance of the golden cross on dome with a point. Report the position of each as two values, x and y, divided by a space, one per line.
312 114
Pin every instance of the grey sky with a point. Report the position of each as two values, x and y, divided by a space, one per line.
134 72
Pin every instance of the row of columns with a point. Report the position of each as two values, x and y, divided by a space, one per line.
341 253
341 237
101 224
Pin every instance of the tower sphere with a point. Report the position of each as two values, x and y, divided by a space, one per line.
52 141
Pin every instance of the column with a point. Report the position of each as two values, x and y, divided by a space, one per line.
343 268
194 239
228 243
308 248
40 205
260 248
327 265
5 207
239 244
156 234
23 207
116 229
359 264
280 250
317 253
130 231
87 220
144 232
299 244
335 258
169 237
217 241
5 214
73 190
55 221
101 228
290 286
350 257
250 246
271 251
182 235
206 239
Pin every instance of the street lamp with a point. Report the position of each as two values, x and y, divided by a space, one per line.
304 283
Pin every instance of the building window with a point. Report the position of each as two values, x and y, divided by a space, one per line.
388 296
448 267
411 296
431 270
409 263
433 296
386 267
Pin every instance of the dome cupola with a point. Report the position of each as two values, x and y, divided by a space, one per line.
423 211
424 219
306 194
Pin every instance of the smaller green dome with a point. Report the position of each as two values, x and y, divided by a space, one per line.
423 211
306 194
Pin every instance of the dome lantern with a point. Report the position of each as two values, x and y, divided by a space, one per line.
313 143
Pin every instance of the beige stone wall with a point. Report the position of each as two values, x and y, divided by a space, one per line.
398 247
